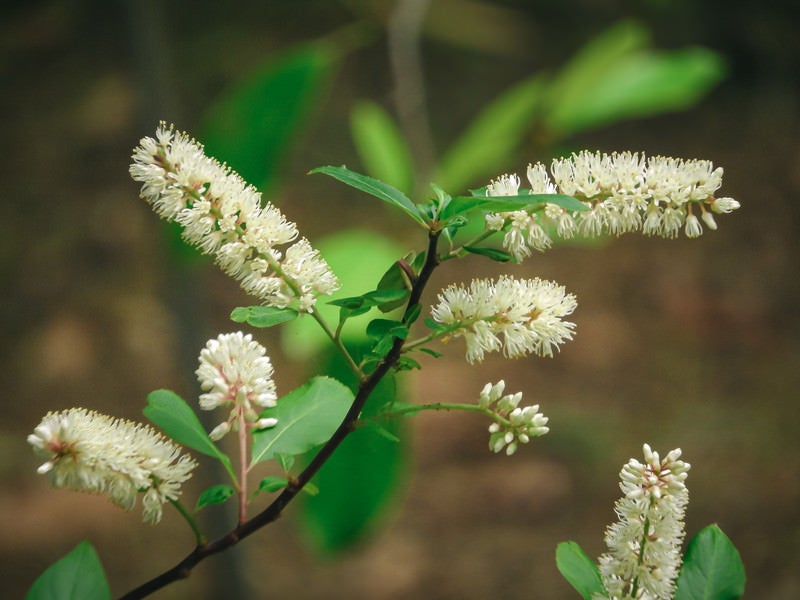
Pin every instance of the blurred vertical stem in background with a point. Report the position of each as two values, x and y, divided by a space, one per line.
405 54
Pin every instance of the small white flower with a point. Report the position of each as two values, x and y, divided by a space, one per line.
220 431
518 316
98 454
235 372
724 205
505 185
708 219
265 423
491 393
693 227
539 180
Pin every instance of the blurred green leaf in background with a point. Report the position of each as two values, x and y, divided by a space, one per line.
252 126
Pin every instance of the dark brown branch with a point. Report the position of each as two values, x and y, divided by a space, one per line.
184 568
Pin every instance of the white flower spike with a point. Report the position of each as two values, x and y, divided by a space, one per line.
623 191
98 454
517 316
644 546
223 216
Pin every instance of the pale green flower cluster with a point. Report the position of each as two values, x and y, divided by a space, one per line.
623 191
514 425
644 546
517 316
90 452
235 371
222 215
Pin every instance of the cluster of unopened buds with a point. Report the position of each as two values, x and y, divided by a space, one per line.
513 424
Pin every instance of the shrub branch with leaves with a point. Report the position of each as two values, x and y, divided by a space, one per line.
587 194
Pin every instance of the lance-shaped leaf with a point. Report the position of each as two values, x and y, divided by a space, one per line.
77 576
617 76
374 187
463 204
381 146
489 142
492 253
216 494
271 484
176 418
263 316
307 417
578 569
252 125
712 568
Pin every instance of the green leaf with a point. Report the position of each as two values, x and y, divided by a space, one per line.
307 417
381 297
406 363
311 489
490 141
616 76
77 576
436 326
171 413
384 332
272 484
385 300
263 316
214 495
465 204
412 314
380 145
712 568
578 569
374 187
379 328
251 126
492 253
361 477
590 65
430 352
644 84
395 277
370 299
286 461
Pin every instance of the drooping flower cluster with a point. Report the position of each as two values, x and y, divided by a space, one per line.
235 371
623 191
90 452
517 316
514 425
644 546
223 216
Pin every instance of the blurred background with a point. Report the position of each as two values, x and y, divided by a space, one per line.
684 343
